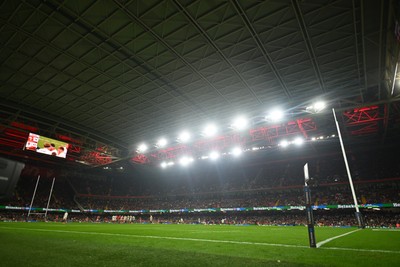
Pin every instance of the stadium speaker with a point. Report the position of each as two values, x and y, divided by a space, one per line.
10 171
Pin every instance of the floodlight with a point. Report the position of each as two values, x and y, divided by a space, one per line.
184 137
284 143
164 164
210 130
142 148
318 106
214 155
162 142
313 139
171 163
298 141
240 123
275 115
184 161
236 151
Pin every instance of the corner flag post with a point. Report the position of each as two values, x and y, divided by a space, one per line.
310 217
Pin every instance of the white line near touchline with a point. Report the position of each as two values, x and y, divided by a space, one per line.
159 237
386 230
198 239
319 244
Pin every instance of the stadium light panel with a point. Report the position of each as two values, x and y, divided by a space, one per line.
164 165
162 142
184 161
210 130
184 137
142 148
284 143
236 151
318 106
275 115
240 123
214 155
298 141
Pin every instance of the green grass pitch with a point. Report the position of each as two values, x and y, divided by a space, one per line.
81 244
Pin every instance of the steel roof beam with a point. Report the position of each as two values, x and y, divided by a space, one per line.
170 48
363 50
307 41
216 48
260 46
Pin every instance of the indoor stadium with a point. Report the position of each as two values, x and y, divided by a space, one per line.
200 133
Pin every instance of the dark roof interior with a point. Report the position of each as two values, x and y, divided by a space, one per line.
122 72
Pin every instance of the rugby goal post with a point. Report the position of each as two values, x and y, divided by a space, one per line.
33 198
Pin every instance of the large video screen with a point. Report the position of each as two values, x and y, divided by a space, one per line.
45 145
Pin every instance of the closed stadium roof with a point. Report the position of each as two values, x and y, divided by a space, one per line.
127 71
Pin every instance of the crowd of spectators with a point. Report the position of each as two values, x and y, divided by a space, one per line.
61 195
372 219
339 195
271 184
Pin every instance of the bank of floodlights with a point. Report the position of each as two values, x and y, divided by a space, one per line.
214 155
323 137
162 142
165 164
184 137
210 130
185 160
240 123
275 115
142 148
236 151
316 107
284 143
298 141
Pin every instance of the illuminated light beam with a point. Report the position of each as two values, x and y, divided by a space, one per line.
284 143
210 130
298 141
214 155
240 123
275 115
162 142
184 161
184 137
142 148
236 151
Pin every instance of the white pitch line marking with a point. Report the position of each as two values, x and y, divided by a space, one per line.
387 230
363 250
202 240
160 237
319 244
